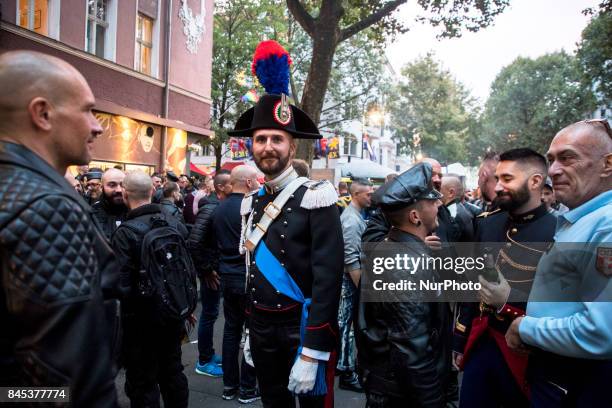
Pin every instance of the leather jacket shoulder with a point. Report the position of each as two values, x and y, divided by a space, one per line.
168 207
201 243
377 228
51 301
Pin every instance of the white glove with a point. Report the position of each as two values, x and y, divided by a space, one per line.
246 351
303 376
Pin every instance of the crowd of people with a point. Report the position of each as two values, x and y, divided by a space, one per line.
104 269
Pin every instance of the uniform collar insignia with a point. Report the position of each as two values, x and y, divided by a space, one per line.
530 215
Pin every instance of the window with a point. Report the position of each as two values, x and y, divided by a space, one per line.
208 150
97 26
144 44
350 145
34 15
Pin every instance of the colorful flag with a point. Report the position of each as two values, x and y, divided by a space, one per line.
250 96
367 145
333 151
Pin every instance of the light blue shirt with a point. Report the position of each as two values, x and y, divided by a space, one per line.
581 329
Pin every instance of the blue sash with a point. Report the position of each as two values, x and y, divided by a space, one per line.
280 279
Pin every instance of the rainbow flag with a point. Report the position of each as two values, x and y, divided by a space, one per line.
250 96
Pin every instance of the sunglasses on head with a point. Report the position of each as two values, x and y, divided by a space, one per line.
600 122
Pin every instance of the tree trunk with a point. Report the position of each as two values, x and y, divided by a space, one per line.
218 152
324 43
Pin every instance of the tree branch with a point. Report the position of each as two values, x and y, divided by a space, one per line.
369 20
348 99
306 21
335 122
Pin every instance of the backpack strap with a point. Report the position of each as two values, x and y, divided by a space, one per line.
139 227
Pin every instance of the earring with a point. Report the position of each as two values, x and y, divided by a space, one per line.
418 223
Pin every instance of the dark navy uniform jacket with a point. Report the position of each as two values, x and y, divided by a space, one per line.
526 238
308 243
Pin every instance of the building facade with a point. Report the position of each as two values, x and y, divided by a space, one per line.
148 62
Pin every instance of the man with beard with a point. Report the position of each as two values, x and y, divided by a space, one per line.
494 375
93 185
110 211
293 236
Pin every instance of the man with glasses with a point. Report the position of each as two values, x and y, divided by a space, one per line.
569 314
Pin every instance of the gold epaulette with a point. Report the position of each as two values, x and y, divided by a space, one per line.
487 213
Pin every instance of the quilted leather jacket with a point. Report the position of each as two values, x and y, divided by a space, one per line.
51 301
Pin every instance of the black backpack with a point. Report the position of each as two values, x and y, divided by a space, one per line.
167 273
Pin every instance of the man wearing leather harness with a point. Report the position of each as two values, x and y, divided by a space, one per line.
293 238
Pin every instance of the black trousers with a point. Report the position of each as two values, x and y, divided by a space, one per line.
274 340
233 309
152 356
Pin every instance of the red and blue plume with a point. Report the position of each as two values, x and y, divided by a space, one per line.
271 64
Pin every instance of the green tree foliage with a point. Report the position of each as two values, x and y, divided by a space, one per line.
432 113
236 32
241 24
595 54
531 100
330 22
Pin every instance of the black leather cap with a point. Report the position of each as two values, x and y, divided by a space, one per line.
92 175
407 188
172 176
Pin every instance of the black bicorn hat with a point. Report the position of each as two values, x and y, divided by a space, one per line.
406 189
270 65
271 113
